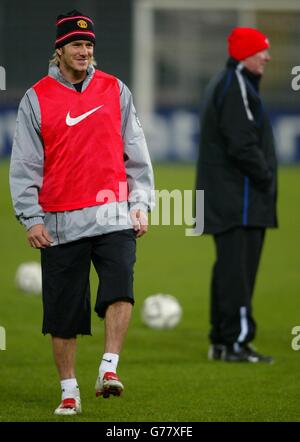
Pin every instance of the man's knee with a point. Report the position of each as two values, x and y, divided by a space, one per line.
101 307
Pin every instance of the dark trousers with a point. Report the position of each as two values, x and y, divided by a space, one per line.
238 252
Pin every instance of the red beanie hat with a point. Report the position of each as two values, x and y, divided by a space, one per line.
244 42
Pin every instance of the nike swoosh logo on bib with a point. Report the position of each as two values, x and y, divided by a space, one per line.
72 121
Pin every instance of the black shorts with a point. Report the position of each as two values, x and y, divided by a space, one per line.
66 285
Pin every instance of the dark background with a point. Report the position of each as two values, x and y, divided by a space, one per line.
27 35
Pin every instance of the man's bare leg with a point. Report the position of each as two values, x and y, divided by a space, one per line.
117 319
64 351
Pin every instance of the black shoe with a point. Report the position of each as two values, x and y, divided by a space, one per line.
254 354
215 352
244 353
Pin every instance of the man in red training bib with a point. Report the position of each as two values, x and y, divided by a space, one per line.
81 182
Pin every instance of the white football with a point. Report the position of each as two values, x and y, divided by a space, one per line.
161 311
29 277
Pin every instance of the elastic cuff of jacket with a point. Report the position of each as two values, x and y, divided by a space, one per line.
139 206
29 222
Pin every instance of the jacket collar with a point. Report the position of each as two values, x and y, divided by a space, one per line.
54 72
253 78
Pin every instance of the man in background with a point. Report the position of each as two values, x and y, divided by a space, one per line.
79 162
237 170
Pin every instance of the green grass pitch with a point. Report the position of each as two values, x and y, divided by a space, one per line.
166 373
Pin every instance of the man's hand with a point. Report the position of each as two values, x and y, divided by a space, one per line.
139 221
38 237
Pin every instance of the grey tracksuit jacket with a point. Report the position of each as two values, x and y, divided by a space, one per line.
27 163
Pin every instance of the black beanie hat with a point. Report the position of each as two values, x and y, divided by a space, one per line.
74 26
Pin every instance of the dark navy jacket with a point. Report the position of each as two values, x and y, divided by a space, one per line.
237 162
